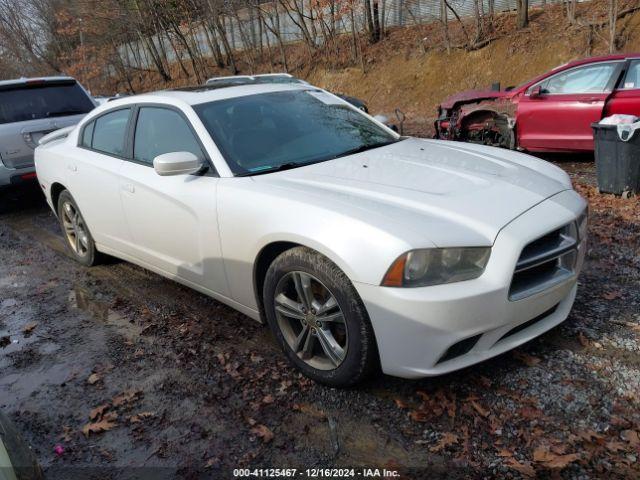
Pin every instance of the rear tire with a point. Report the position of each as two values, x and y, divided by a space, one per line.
319 319
75 231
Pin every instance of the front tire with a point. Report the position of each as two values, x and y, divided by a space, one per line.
77 237
318 318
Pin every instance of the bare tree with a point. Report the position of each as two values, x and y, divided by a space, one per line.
613 17
522 8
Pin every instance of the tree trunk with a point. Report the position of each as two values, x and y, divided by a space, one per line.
613 17
523 13
444 18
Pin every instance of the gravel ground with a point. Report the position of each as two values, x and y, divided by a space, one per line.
115 372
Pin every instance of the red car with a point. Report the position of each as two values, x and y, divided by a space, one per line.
551 113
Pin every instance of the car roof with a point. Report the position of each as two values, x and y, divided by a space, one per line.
33 80
603 58
208 93
250 77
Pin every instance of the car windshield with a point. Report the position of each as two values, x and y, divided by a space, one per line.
42 100
272 131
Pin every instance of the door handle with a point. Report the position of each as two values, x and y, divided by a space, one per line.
129 188
590 100
73 168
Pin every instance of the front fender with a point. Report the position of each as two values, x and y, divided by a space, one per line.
251 220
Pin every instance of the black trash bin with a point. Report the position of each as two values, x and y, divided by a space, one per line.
617 161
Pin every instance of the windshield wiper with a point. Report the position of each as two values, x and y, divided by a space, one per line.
365 147
279 168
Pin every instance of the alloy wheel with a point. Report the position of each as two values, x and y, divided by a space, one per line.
311 320
75 229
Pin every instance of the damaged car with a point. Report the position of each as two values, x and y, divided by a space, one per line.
550 113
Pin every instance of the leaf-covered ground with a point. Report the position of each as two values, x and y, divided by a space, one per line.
116 372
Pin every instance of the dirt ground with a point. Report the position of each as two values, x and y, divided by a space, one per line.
115 372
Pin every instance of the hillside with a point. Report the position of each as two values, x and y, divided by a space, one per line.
403 76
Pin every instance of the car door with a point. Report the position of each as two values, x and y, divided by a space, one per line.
172 219
94 176
556 113
626 98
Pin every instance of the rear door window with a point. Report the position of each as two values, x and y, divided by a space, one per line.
87 135
42 100
110 132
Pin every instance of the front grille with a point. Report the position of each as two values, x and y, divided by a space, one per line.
545 262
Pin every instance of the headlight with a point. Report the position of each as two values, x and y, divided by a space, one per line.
582 224
435 266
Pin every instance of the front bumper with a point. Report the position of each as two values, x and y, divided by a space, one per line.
418 328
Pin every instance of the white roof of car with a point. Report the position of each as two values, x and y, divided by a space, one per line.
25 80
230 77
209 93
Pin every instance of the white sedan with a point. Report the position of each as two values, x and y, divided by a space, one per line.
360 248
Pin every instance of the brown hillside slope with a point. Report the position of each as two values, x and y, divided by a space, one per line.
403 76
411 69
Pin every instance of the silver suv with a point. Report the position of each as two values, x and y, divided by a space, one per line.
29 109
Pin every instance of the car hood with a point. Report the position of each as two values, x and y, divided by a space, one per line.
453 194
472 95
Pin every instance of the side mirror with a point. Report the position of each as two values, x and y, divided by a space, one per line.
176 163
535 92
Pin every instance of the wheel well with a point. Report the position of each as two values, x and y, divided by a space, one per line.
265 258
56 190
479 115
499 122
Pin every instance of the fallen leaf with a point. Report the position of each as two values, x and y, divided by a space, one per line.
98 411
484 381
584 341
446 440
551 460
104 425
424 396
614 446
478 408
139 417
29 328
612 295
630 436
504 453
419 416
561 461
590 435
524 468
93 379
528 360
268 399
126 397
400 403
263 432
